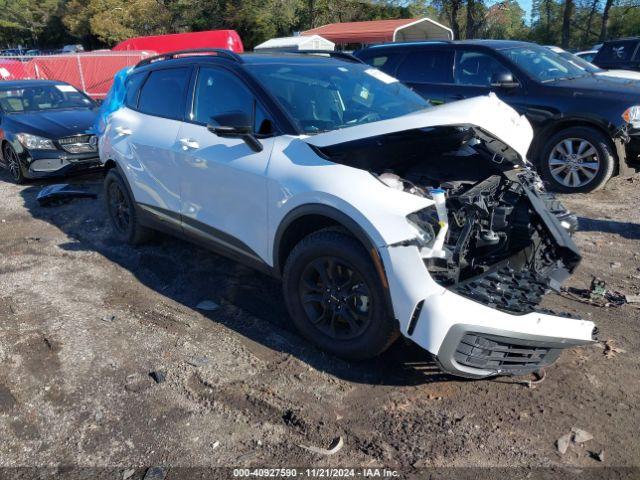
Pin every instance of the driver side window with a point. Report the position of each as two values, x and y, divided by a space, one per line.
218 92
476 68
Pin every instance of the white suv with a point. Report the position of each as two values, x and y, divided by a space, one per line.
383 216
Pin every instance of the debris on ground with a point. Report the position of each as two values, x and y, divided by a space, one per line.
158 376
109 318
611 349
599 456
207 305
156 473
60 193
537 378
334 448
575 436
128 473
137 383
198 361
581 436
632 298
597 294
215 445
563 443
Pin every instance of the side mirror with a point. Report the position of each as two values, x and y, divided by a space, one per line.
503 80
235 125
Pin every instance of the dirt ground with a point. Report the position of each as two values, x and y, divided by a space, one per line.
242 389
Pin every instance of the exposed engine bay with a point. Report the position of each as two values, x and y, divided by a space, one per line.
497 237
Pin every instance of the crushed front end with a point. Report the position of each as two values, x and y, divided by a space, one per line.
475 262
476 290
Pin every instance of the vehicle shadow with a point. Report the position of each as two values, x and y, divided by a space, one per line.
624 229
188 274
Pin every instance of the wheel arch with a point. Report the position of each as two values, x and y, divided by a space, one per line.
557 126
306 219
3 144
109 164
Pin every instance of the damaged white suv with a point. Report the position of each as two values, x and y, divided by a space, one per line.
382 215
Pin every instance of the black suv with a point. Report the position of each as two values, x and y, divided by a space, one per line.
587 127
619 54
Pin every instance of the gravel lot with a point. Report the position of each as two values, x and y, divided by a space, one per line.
242 389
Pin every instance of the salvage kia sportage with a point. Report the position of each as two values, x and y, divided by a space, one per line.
382 215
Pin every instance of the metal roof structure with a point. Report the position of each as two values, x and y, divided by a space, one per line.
379 31
301 42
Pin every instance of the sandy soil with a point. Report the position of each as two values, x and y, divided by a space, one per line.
75 386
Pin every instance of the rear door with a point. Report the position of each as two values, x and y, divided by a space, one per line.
145 134
429 72
224 187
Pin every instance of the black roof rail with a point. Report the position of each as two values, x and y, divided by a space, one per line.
328 53
219 52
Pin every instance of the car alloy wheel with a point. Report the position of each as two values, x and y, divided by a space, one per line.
574 162
335 298
13 164
119 208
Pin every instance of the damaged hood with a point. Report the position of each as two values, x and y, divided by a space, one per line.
508 133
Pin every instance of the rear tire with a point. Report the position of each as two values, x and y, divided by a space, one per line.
577 160
122 212
335 297
12 162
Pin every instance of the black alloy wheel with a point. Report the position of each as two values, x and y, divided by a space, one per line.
336 298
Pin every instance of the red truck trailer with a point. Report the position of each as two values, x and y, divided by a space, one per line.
228 39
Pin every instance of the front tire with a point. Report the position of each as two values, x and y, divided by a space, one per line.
122 213
577 160
12 161
335 297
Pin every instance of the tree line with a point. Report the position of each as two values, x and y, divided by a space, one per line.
103 23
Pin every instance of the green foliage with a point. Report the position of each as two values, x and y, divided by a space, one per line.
505 20
100 23
22 21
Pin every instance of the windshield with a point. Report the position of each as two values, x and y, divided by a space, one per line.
42 98
327 96
542 64
580 62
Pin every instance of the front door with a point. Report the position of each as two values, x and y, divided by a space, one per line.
223 183
473 75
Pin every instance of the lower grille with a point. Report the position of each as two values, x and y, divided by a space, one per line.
502 354
79 143
505 289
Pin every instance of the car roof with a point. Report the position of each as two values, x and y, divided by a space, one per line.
624 39
290 57
28 83
493 44
188 57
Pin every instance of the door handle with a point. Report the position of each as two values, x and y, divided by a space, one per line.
123 130
188 143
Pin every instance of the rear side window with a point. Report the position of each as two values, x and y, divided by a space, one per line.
163 94
617 52
427 66
387 62
132 86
